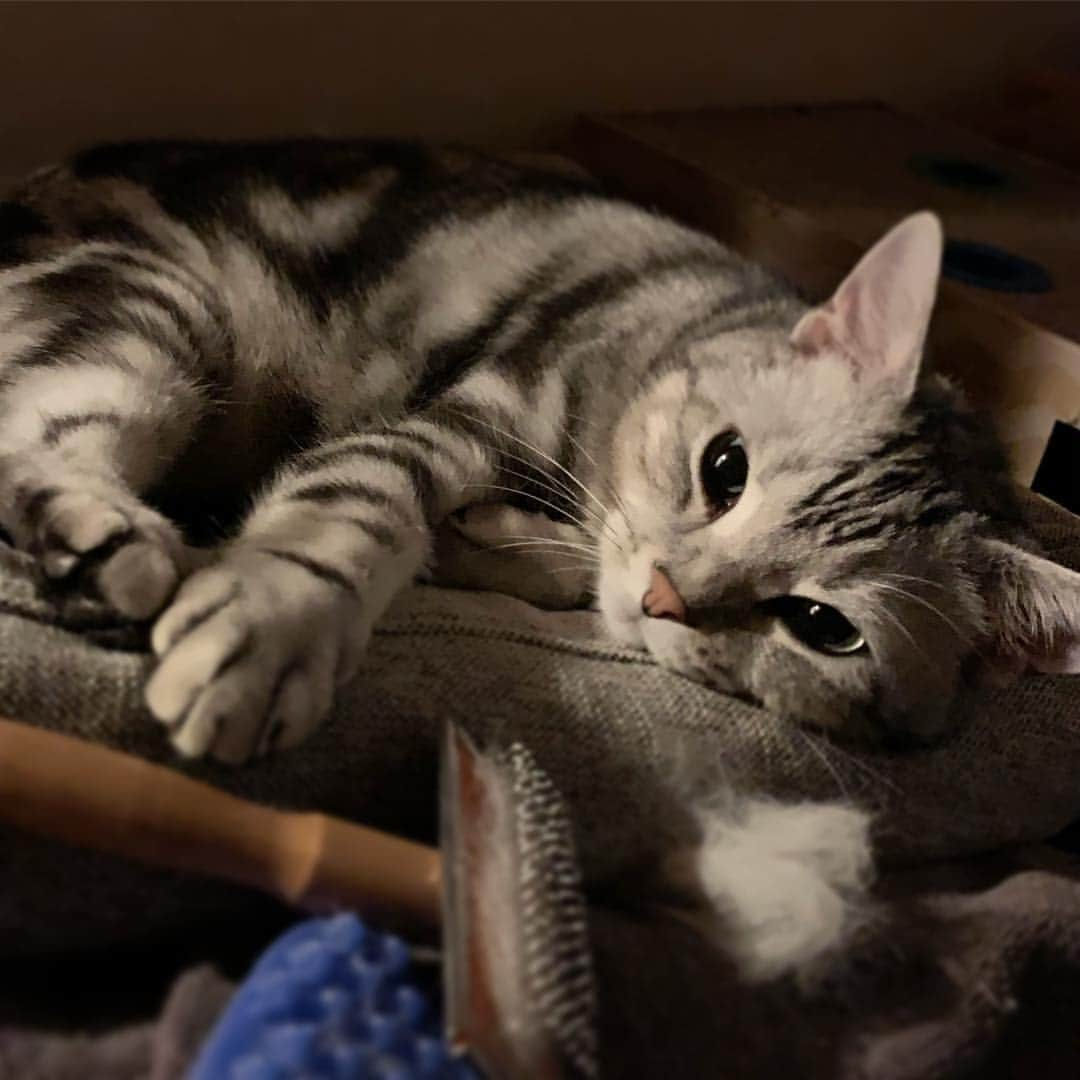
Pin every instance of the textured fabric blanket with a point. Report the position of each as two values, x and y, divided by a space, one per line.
624 740
976 961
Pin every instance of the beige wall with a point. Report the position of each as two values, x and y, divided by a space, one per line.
73 73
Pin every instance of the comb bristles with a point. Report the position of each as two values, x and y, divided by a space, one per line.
557 966
519 977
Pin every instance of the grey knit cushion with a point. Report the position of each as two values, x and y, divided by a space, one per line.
622 738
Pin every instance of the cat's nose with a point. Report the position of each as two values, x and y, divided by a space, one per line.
662 600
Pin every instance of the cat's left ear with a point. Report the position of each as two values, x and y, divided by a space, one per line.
1035 607
878 317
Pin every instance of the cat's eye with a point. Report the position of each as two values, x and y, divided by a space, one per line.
816 624
723 471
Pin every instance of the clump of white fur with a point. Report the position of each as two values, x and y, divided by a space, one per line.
785 886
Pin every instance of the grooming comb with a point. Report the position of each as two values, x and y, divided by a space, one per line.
505 888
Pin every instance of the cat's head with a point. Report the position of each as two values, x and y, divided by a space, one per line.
814 526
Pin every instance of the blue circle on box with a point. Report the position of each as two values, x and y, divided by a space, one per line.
988 267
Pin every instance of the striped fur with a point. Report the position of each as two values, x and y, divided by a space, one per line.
357 340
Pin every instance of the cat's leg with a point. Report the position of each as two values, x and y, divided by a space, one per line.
94 406
253 648
500 548
782 887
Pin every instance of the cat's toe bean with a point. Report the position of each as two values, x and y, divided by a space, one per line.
105 543
138 580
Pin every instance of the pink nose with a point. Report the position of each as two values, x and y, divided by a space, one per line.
663 601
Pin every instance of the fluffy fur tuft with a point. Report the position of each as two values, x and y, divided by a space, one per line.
783 888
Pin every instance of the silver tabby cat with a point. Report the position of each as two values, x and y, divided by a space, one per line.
359 340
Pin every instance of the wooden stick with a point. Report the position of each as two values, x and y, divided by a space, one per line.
87 795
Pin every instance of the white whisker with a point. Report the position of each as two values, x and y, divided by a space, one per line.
856 762
881 612
915 578
820 754
926 604
554 545
571 569
568 492
621 506
560 510
547 457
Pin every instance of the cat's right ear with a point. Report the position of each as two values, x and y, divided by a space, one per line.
877 319
1034 607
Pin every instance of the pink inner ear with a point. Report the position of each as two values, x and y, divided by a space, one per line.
877 319
814 332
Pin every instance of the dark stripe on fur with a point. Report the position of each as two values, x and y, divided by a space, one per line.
726 313
420 475
814 500
76 341
562 309
381 534
33 508
19 226
940 514
327 493
57 427
354 449
331 575
95 289
449 361
198 618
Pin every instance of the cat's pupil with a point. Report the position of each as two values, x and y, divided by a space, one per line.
818 625
723 471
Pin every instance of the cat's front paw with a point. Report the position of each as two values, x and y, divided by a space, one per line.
94 538
250 654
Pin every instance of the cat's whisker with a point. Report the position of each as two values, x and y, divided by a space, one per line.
554 540
559 510
933 608
827 746
547 457
882 612
545 481
570 569
810 742
620 505
566 492
915 578
554 545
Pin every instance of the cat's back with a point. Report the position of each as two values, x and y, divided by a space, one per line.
342 214
312 194
352 268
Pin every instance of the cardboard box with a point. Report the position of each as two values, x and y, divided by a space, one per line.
805 191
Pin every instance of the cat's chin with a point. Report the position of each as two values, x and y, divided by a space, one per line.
625 631
622 617
620 587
